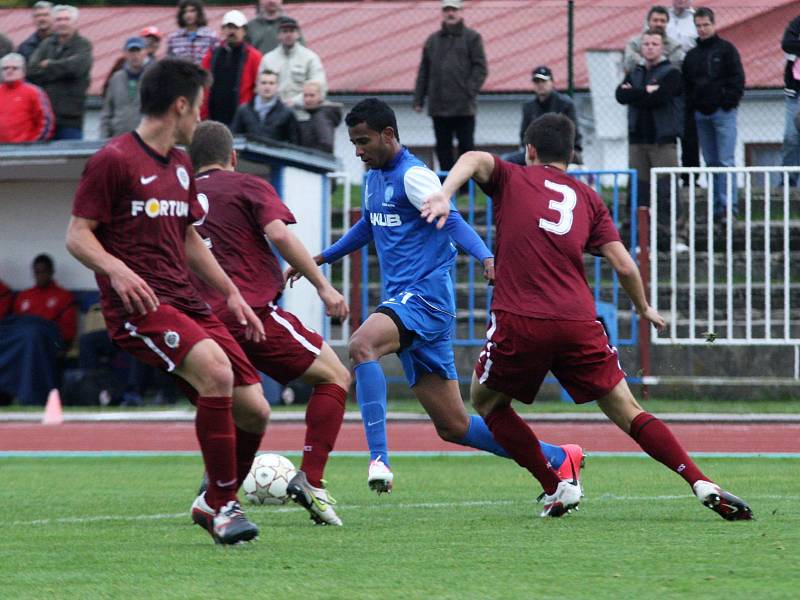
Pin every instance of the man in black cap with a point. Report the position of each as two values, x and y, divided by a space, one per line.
291 59
545 100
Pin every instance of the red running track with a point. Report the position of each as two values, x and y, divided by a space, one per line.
413 436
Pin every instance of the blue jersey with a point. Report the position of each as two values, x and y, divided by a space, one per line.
415 257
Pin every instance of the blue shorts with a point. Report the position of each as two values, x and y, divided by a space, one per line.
426 344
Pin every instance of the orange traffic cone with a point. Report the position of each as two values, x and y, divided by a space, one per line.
53 415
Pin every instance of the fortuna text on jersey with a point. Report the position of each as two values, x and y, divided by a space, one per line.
160 208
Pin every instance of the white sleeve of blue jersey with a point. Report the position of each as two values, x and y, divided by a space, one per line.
420 182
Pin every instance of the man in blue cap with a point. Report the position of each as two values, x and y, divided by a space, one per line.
121 111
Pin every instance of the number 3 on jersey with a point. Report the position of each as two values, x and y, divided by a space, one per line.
564 207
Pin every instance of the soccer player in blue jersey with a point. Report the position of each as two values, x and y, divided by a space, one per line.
416 319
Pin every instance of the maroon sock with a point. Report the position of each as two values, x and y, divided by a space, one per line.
217 437
513 434
323 420
657 440
246 447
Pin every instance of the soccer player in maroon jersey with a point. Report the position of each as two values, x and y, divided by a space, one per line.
543 315
243 216
132 224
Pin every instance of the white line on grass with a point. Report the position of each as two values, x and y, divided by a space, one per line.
398 506
295 453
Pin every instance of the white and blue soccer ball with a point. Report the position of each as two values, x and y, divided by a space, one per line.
267 480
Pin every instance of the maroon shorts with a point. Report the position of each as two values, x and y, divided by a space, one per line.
289 349
519 351
163 339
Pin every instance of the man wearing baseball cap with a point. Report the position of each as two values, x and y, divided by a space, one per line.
291 58
152 38
121 112
262 30
234 67
545 100
451 73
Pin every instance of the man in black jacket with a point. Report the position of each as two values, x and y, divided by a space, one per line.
545 100
791 88
61 65
265 115
714 82
451 73
652 92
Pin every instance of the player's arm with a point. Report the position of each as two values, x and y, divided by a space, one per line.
357 236
295 253
82 243
621 261
467 239
206 267
471 165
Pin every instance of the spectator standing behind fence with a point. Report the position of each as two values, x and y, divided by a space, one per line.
451 73
233 65
48 300
265 115
714 83
790 44
26 115
6 299
262 30
121 112
294 63
652 93
43 21
545 100
61 65
318 120
6 46
152 38
657 20
681 28
193 38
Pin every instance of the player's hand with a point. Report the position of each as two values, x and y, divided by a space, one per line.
254 328
135 293
335 306
418 108
651 88
653 317
488 270
291 274
436 207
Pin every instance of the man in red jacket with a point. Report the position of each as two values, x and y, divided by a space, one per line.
48 300
233 65
6 299
26 115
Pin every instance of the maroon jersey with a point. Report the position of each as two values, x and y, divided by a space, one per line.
544 221
144 202
238 207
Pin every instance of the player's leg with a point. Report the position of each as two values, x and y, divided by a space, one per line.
250 415
377 336
208 370
522 445
441 399
657 440
324 416
325 411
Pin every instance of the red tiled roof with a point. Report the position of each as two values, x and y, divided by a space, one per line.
375 46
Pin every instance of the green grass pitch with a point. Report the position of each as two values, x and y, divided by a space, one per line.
455 527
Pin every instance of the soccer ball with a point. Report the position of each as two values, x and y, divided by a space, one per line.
267 480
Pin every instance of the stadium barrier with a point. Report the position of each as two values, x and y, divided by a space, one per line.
730 282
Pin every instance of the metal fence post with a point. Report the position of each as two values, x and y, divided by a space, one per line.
643 258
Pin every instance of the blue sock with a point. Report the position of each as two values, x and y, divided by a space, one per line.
478 436
371 395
